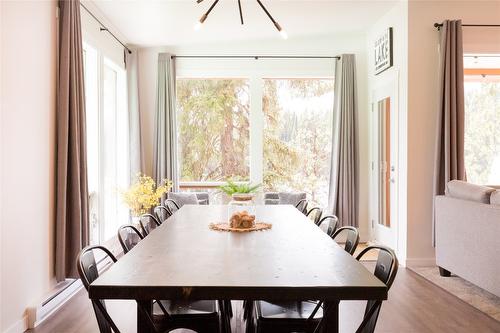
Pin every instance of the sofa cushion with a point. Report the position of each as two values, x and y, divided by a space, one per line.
495 197
462 190
182 199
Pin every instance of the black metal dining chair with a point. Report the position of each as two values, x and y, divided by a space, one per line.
302 206
351 238
162 213
200 316
148 223
329 224
386 269
129 236
172 206
316 212
88 272
308 316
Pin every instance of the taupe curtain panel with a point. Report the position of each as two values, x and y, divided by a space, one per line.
135 147
165 149
449 161
343 190
72 194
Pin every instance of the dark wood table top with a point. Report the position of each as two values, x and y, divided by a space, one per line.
184 259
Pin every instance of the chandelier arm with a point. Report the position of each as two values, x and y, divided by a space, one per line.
204 17
241 13
276 24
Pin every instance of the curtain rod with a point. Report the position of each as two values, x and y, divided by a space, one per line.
104 28
481 56
253 57
439 25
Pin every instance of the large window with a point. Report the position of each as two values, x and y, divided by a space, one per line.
107 143
482 119
265 130
213 127
297 136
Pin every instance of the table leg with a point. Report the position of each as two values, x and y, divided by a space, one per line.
331 321
143 326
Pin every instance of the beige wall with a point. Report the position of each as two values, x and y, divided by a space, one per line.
28 68
422 108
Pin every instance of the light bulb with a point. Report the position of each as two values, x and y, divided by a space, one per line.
197 25
283 34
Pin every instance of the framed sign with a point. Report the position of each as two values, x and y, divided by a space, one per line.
383 51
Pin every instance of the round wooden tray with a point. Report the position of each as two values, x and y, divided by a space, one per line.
259 226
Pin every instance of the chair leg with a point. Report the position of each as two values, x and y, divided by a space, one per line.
229 308
444 272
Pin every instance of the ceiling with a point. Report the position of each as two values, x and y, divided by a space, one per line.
171 22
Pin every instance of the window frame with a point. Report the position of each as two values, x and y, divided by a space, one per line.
473 71
255 71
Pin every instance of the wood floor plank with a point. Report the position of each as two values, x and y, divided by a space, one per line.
415 305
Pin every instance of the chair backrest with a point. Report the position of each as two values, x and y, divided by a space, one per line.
88 272
316 212
386 269
148 223
129 236
172 205
162 213
203 198
271 198
329 224
351 238
189 198
302 206
271 195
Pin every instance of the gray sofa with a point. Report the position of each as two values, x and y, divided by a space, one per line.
468 234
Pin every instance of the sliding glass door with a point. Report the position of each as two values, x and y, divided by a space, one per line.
107 144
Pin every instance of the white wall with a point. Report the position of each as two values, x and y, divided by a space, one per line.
397 18
423 106
28 78
321 45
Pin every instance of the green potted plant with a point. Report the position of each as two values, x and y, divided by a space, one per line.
241 193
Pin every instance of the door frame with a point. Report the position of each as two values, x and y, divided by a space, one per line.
386 87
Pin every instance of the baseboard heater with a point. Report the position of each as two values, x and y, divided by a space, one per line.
64 291
67 289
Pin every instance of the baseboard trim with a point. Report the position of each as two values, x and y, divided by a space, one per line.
39 313
420 262
20 326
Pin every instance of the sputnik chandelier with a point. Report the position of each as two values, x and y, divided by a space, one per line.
202 19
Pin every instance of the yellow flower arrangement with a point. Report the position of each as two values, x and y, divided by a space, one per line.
144 194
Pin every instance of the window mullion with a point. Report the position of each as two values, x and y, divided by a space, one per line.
256 130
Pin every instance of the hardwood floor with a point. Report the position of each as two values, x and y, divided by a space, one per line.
414 305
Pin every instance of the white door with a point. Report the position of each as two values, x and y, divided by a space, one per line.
384 170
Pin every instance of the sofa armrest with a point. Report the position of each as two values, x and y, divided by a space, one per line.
468 240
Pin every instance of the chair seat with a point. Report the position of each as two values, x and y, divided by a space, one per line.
180 308
287 310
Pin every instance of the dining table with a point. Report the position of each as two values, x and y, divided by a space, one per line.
184 259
